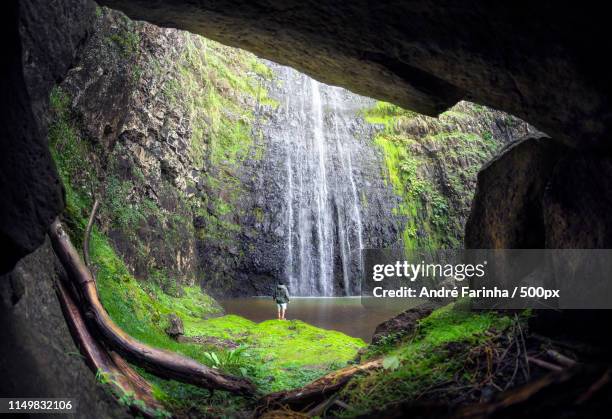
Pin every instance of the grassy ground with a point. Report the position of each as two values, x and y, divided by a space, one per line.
437 355
275 354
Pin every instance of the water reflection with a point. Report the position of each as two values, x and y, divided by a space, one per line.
345 314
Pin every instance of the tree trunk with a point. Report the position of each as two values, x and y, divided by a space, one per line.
163 363
90 222
113 367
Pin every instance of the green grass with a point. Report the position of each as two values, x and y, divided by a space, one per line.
431 357
274 354
289 353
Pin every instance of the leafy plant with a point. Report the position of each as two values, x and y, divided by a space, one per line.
233 360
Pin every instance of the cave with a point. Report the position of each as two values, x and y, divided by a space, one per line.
535 69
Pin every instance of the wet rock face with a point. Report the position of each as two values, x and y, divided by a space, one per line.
529 61
317 194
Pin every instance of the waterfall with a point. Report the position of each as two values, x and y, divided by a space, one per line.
344 151
322 210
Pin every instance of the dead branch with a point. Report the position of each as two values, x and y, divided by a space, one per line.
163 363
594 388
543 364
320 409
90 222
318 390
560 358
99 360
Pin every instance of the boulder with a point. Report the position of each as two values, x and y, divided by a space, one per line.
176 329
507 207
38 357
577 203
404 323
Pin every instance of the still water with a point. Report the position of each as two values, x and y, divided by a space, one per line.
345 314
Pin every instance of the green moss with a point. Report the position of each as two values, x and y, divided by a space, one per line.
425 209
215 83
125 37
282 349
433 356
434 209
386 114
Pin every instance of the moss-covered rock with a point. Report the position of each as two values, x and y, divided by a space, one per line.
432 164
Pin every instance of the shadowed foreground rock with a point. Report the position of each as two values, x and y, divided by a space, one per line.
507 207
37 354
577 203
529 59
404 323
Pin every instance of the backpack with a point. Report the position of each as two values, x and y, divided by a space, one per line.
281 295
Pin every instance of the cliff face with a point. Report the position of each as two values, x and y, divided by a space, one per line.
432 164
217 168
188 145
317 193
152 122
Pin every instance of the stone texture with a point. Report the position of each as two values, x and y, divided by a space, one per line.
137 142
38 357
577 203
40 45
176 329
404 323
449 152
507 207
576 210
528 60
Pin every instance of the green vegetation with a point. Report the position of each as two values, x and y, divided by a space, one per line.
218 86
125 37
437 354
274 354
286 354
434 205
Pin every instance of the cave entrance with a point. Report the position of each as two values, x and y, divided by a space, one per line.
186 119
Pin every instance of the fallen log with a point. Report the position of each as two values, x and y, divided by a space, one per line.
162 363
97 358
87 235
317 391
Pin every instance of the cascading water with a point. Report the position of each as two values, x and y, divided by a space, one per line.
322 208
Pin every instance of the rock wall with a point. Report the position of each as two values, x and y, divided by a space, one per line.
218 168
317 194
432 164
41 44
150 122
184 142
38 357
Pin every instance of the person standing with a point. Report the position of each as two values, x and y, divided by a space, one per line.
281 296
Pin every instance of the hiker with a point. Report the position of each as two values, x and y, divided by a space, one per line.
281 296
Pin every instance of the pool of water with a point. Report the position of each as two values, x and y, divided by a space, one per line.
345 314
